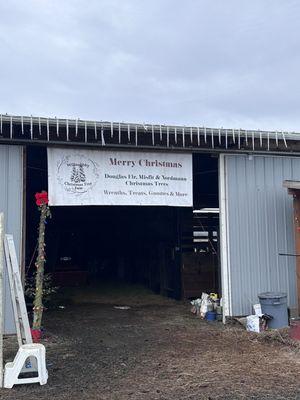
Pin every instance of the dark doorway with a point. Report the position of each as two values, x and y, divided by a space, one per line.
172 251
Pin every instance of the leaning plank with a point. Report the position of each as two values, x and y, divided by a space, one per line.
12 291
18 292
18 300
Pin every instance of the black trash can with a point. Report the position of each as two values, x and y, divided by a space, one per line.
275 304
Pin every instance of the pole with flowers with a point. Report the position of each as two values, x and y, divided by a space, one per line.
41 200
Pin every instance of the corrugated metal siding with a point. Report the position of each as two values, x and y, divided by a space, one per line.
11 200
260 225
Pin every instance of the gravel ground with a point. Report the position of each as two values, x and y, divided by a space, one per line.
156 350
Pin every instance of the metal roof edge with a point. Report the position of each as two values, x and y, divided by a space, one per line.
73 122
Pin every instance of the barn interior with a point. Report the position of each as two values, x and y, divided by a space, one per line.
171 250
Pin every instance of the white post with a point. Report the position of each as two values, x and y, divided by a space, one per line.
224 241
1 294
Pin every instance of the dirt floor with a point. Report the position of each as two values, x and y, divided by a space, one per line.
156 349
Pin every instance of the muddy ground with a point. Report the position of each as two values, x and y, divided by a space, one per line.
155 350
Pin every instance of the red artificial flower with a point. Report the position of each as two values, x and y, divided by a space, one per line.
41 198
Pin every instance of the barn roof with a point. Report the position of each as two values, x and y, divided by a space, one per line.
77 132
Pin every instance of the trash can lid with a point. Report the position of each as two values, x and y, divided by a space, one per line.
272 295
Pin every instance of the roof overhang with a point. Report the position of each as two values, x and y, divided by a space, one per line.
77 132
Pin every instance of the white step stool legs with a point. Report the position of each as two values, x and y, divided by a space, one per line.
13 369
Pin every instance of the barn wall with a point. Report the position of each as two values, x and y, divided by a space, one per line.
259 226
11 203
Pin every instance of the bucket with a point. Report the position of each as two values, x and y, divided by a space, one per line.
219 310
275 304
210 307
211 315
295 330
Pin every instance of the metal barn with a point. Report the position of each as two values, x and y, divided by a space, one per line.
238 181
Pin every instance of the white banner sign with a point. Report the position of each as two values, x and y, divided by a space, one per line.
95 177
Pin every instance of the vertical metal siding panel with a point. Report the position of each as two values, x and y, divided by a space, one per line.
11 181
240 226
15 194
269 221
260 225
258 186
234 225
251 221
274 239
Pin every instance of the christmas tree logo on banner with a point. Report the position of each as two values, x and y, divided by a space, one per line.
77 173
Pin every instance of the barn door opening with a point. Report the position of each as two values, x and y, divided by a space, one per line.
200 231
171 250
294 190
200 272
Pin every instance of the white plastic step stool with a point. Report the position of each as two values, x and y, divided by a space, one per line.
13 369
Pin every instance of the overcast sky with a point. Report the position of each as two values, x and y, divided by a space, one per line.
233 63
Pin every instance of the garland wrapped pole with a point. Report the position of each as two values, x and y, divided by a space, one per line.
42 203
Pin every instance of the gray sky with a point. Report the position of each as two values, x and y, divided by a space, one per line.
230 63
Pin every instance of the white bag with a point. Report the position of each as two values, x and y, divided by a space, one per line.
253 323
204 304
